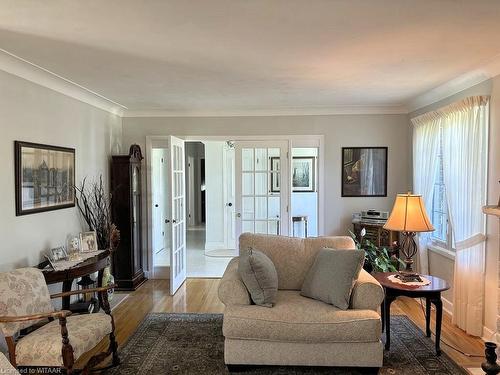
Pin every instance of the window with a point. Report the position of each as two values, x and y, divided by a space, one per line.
439 213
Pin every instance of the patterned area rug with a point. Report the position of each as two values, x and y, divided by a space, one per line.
193 344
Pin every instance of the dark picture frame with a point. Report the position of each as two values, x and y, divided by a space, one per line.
44 177
364 171
275 181
299 185
304 174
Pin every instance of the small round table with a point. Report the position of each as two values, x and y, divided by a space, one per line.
431 293
299 219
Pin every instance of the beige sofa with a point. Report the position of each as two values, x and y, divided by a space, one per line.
299 330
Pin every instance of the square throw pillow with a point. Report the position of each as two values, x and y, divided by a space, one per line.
259 276
332 276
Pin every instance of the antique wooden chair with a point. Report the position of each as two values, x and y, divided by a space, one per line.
25 301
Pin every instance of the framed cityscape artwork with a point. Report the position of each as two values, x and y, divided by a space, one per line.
45 177
364 171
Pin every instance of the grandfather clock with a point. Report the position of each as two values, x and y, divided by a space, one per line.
126 212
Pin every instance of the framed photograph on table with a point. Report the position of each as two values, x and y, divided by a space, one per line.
88 242
364 171
44 177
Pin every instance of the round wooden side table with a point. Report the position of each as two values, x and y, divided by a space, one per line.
431 293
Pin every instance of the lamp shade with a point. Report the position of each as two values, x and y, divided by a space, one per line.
409 215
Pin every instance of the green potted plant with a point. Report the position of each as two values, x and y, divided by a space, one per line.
376 259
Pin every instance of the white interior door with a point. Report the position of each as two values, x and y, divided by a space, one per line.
229 197
157 209
177 220
262 187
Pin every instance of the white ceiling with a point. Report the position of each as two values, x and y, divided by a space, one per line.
216 56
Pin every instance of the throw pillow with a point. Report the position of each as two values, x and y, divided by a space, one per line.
259 276
332 276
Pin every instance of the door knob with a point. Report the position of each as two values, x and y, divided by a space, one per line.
167 221
156 205
230 204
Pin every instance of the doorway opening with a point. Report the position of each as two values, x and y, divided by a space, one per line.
210 237
205 191
160 212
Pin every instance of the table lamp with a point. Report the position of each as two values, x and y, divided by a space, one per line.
409 217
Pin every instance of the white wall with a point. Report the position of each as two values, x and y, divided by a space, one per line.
36 114
214 195
443 266
339 131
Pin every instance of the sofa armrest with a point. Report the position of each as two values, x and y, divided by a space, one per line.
232 291
367 293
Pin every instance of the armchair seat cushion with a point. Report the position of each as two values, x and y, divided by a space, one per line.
43 347
295 318
6 367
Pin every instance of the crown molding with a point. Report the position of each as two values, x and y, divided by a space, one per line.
29 71
295 111
484 72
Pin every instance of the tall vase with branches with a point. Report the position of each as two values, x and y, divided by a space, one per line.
94 204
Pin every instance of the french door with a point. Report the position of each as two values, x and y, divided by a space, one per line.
229 197
262 185
177 197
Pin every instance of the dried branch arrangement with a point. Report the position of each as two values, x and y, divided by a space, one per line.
95 207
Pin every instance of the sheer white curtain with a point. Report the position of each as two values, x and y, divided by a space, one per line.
372 180
425 167
465 129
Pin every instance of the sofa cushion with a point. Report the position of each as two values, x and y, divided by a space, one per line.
292 257
299 319
259 276
332 276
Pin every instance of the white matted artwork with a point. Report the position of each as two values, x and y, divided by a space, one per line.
88 241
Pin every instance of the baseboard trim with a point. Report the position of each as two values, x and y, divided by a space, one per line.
447 305
214 245
490 335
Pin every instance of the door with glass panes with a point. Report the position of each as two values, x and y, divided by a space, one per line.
262 187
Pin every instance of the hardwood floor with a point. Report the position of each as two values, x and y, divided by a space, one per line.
200 296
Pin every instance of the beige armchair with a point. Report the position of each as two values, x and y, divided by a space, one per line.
5 366
298 330
25 301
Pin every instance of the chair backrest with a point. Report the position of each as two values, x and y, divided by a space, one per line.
23 292
292 256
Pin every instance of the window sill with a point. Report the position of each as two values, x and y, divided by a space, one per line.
441 251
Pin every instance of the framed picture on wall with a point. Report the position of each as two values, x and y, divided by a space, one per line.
44 177
303 174
364 171
275 180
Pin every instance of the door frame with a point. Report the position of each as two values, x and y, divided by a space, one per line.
153 141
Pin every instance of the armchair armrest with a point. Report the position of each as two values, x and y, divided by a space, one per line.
232 291
82 291
367 293
25 318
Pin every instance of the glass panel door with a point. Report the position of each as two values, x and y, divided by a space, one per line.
262 187
178 219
